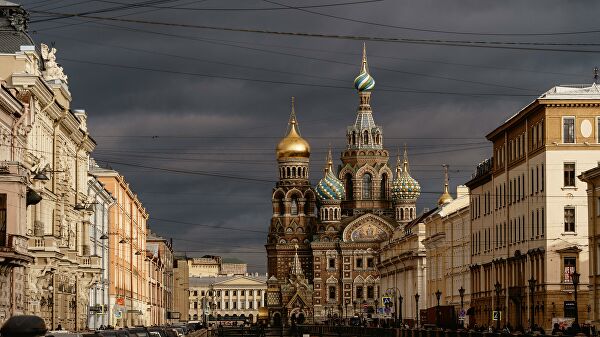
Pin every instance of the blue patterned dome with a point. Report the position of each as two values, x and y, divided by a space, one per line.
405 187
330 187
364 81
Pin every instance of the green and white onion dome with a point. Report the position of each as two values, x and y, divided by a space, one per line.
330 187
364 81
405 187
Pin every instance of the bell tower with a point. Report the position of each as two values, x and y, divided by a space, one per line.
365 171
294 205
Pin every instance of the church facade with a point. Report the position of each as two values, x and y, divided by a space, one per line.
323 241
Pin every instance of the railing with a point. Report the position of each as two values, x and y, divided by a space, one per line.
328 330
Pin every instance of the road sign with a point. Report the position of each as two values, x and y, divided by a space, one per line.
496 315
386 300
118 314
120 301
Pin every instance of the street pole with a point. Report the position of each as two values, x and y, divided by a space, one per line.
400 299
417 308
575 278
498 287
461 292
438 294
531 308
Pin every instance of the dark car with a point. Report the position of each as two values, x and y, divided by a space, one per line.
138 332
114 333
154 330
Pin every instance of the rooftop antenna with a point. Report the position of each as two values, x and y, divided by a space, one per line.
595 75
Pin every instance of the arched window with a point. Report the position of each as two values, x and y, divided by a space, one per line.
402 213
412 213
330 214
293 172
366 137
349 186
367 186
353 138
288 172
281 207
294 206
335 214
384 187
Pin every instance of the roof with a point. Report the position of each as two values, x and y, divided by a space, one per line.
207 281
13 25
573 91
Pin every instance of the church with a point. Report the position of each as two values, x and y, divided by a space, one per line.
323 240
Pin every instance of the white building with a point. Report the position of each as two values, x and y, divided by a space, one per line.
98 227
224 298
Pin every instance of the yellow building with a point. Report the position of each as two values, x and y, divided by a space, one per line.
529 213
181 288
592 178
128 270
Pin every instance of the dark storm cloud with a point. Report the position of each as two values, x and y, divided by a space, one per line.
235 124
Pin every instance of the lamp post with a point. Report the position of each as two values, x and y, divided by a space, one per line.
461 293
531 307
417 308
400 299
498 287
575 278
438 295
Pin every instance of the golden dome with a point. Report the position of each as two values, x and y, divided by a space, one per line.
293 145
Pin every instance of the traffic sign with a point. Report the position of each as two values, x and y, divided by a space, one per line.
386 301
118 314
496 315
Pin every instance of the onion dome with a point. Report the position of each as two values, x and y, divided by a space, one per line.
405 187
293 145
364 81
445 197
330 187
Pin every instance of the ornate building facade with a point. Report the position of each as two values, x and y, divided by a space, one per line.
49 149
330 234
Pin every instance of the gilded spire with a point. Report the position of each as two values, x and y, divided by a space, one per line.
364 67
405 163
398 166
329 164
445 197
293 145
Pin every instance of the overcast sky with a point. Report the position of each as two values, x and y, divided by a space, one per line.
186 99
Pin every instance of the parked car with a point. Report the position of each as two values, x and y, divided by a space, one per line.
139 331
62 333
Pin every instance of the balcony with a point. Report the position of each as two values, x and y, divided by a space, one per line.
46 243
14 252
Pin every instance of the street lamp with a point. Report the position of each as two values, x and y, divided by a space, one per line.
498 287
575 277
400 299
438 295
461 293
531 309
417 308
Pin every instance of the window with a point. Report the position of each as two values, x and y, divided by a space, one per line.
367 186
218 305
542 180
569 269
226 305
568 129
569 173
202 293
235 293
359 262
294 207
359 292
370 263
234 305
370 292
332 292
3 220
226 292
195 292
258 292
331 263
219 293
569 219
243 292
366 137
384 183
349 186
195 305
250 305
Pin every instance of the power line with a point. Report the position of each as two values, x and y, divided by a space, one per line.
474 94
456 43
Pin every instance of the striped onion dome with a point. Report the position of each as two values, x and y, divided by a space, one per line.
405 187
330 187
364 81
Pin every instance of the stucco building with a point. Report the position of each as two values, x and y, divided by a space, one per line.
159 255
592 178
218 299
211 265
101 201
49 146
447 239
128 271
529 212
181 288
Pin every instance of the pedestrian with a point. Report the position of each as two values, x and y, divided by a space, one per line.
59 327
